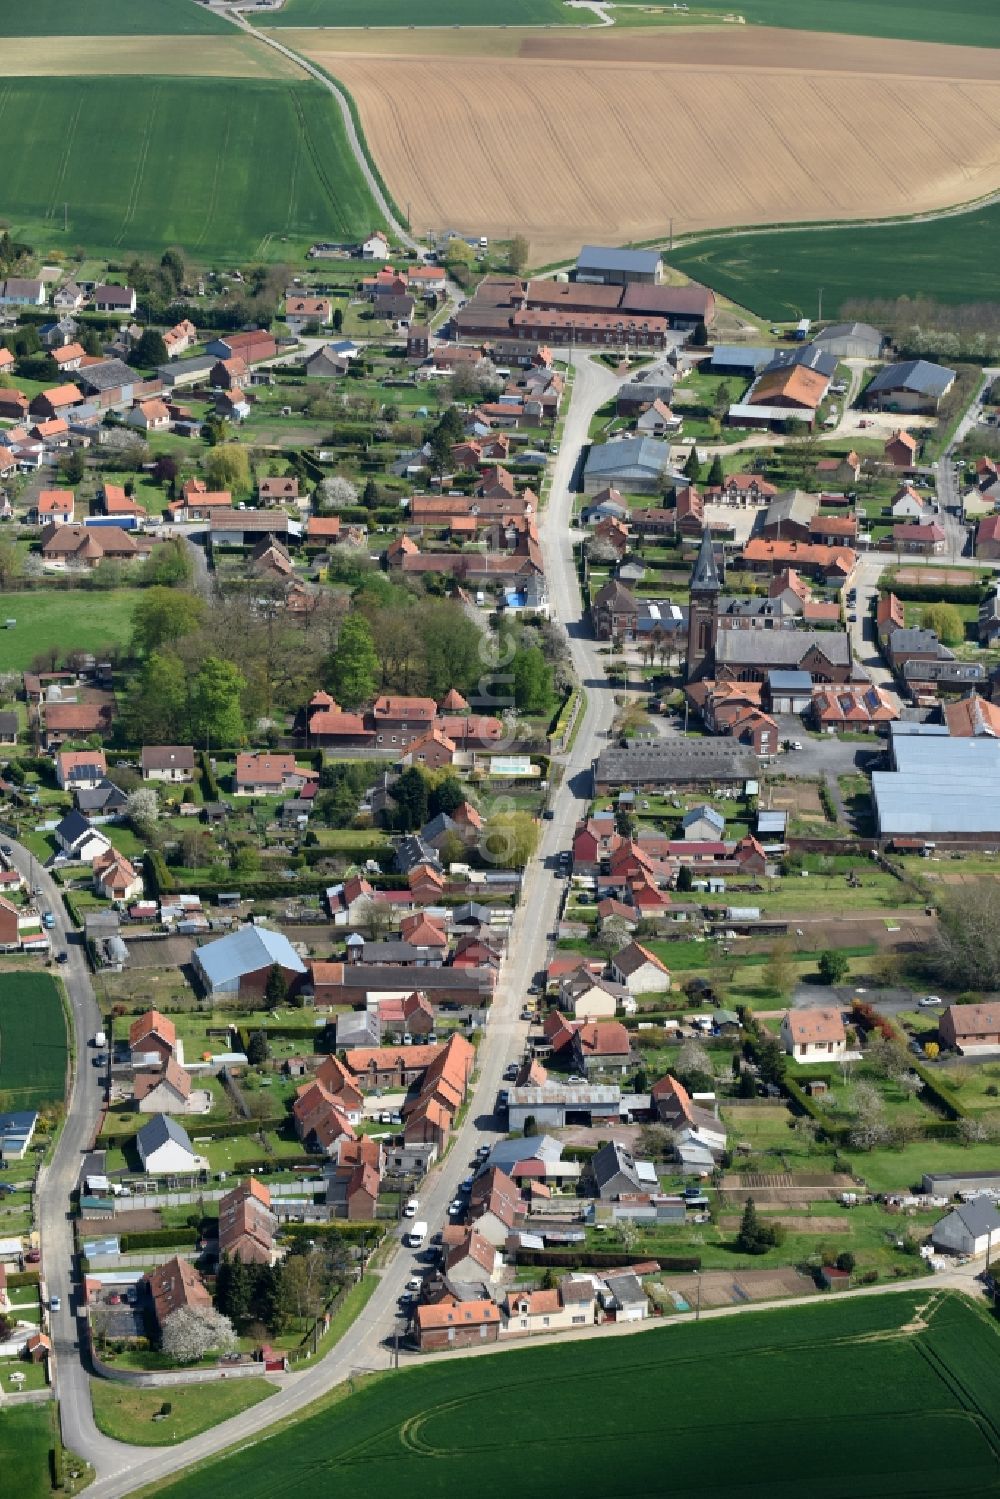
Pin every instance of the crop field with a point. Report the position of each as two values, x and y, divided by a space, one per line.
107 18
234 56
187 167
32 1041
68 619
699 128
950 259
430 13
970 23
690 1410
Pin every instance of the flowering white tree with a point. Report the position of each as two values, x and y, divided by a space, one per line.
336 494
191 1332
142 805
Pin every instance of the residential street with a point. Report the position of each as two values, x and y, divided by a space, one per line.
367 1344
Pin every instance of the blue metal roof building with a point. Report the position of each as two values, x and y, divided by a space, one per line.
225 965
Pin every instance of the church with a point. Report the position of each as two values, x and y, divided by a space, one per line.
736 640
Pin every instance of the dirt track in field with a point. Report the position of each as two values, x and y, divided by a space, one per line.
163 56
591 136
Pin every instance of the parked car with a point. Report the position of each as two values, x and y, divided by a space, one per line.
55 1303
929 1000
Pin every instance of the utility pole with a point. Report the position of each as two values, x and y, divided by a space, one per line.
819 310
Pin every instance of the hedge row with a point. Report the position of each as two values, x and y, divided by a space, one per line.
939 1092
159 1238
601 1258
797 1095
925 593
22 1278
355 1232
159 880
209 785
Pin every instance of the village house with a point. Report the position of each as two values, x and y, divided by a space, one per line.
114 298
813 1035
247 1223
971 1029
640 970
261 774
243 961
175 1286
169 763
165 1148
165 1090
152 1040
456 1324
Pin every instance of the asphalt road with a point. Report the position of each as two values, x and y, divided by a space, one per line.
60 1177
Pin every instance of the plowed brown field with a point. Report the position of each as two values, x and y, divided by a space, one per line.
603 137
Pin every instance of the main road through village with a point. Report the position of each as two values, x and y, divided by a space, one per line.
367 1344
121 1469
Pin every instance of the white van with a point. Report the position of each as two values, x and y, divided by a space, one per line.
412 1208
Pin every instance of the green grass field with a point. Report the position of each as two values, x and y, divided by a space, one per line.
107 18
127 1414
431 13
779 275
843 1389
32 1041
970 23
26 1435
225 168
69 619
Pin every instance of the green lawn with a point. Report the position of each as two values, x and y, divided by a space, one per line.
431 13
779 275
26 1437
187 171
126 1414
32 1041
72 619
107 18
713 1401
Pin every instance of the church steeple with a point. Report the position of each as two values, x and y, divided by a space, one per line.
705 577
703 623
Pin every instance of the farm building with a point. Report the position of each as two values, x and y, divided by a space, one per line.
851 341
615 267
634 465
972 1228
939 786
913 385
241 962
682 764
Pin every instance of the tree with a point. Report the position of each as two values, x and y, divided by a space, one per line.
276 988
157 707
172 266
163 615
716 474
869 1128
411 797
352 670
142 806
192 1332
964 952
216 716
446 795
779 971
10 562
846 1261
517 253
149 351
693 1058
754 1236
771 1061
685 879
228 467
833 966
946 622
374 918
371 498
336 494
165 469
509 839
169 564
72 467
699 336
692 469
532 680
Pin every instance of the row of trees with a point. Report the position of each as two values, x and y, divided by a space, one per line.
272 1297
